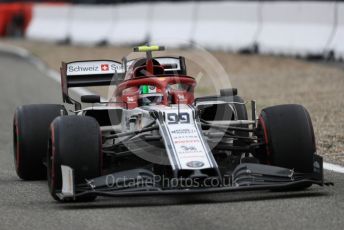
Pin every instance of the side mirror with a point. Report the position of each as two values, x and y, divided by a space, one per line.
90 99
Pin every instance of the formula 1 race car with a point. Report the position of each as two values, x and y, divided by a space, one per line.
153 137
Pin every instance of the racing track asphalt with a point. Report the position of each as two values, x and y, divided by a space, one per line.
27 205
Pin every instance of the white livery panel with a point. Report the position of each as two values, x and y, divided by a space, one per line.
93 68
183 139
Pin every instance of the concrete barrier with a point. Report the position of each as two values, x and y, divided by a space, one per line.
296 28
227 25
131 24
49 23
290 28
172 23
90 24
337 43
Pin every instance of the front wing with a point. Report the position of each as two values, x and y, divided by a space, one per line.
140 182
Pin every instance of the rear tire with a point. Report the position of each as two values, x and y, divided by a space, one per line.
30 138
75 142
289 137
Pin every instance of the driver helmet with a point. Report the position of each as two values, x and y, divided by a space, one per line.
149 95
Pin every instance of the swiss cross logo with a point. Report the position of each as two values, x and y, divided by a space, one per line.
104 67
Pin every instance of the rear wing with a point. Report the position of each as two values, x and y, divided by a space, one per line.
89 73
107 72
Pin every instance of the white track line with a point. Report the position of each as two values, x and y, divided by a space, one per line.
333 167
53 74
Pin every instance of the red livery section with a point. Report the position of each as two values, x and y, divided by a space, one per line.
175 88
104 67
14 14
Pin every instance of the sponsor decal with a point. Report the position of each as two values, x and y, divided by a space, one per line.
181 97
93 67
82 68
130 99
188 148
178 118
183 131
195 164
147 89
152 89
104 67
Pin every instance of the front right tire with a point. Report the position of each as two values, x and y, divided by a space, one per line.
30 138
289 139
